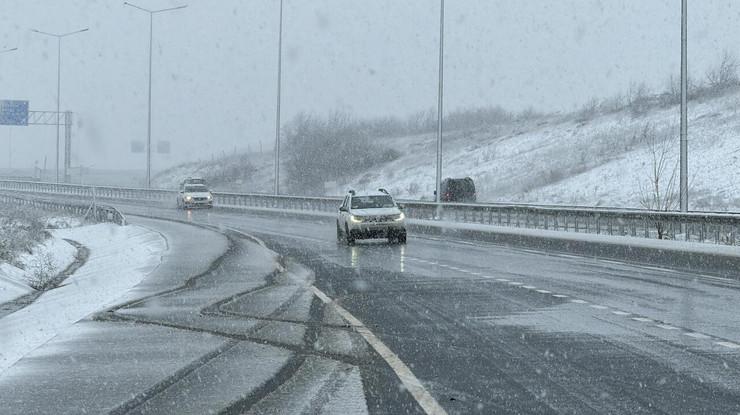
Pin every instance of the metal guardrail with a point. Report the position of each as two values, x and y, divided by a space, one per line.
708 227
97 213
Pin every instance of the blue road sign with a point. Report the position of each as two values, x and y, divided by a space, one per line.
13 112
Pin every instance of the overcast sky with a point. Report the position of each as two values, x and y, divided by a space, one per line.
215 62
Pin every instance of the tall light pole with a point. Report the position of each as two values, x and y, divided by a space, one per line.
440 113
149 116
59 78
277 114
684 170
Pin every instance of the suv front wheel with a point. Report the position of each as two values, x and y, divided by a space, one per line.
348 236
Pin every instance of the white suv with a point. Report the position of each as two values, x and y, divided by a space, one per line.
194 195
371 215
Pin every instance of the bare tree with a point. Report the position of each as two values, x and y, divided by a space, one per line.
725 74
658 189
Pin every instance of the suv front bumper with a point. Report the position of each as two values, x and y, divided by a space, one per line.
376 230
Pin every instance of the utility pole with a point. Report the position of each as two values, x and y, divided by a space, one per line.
277 110
684 184
440 93
149 111
59 80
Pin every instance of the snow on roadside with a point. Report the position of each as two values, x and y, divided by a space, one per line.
120 257
50 258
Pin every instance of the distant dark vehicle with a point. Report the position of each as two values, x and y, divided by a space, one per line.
458 190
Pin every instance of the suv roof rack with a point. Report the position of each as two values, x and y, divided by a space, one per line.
352 192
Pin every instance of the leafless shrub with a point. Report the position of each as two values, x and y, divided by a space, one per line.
20 231
326 149
588 111
413 188
639 99
724 75
658 189
613 104
42 272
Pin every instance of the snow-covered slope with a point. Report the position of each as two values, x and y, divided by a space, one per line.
562 160
558 159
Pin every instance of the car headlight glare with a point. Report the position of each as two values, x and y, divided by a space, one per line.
399 217
355 219
188 198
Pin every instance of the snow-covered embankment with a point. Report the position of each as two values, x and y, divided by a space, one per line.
120 257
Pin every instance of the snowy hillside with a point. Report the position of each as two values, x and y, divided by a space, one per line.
559 159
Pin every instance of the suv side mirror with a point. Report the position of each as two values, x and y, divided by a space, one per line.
342 209
400 206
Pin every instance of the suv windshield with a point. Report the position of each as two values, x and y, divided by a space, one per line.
197 188
372 202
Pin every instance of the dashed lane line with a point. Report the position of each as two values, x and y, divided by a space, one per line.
696 335
729 345
407 377
667 327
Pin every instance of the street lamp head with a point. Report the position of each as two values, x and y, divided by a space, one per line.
60 35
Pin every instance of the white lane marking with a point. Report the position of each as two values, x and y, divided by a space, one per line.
598 307
653 268
478 274
544 292
642 319
412 384
621 313
516 283
729 345
560 296
666 326
696 335
529 287
579 301
502 280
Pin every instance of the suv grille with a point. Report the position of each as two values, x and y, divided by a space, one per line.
378 218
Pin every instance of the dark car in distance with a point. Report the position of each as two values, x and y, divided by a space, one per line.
458 190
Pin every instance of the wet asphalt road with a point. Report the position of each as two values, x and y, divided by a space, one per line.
491 329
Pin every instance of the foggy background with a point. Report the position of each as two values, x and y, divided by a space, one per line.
214 68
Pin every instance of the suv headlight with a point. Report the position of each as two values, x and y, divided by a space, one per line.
356 219
210 196
188 198
399 217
